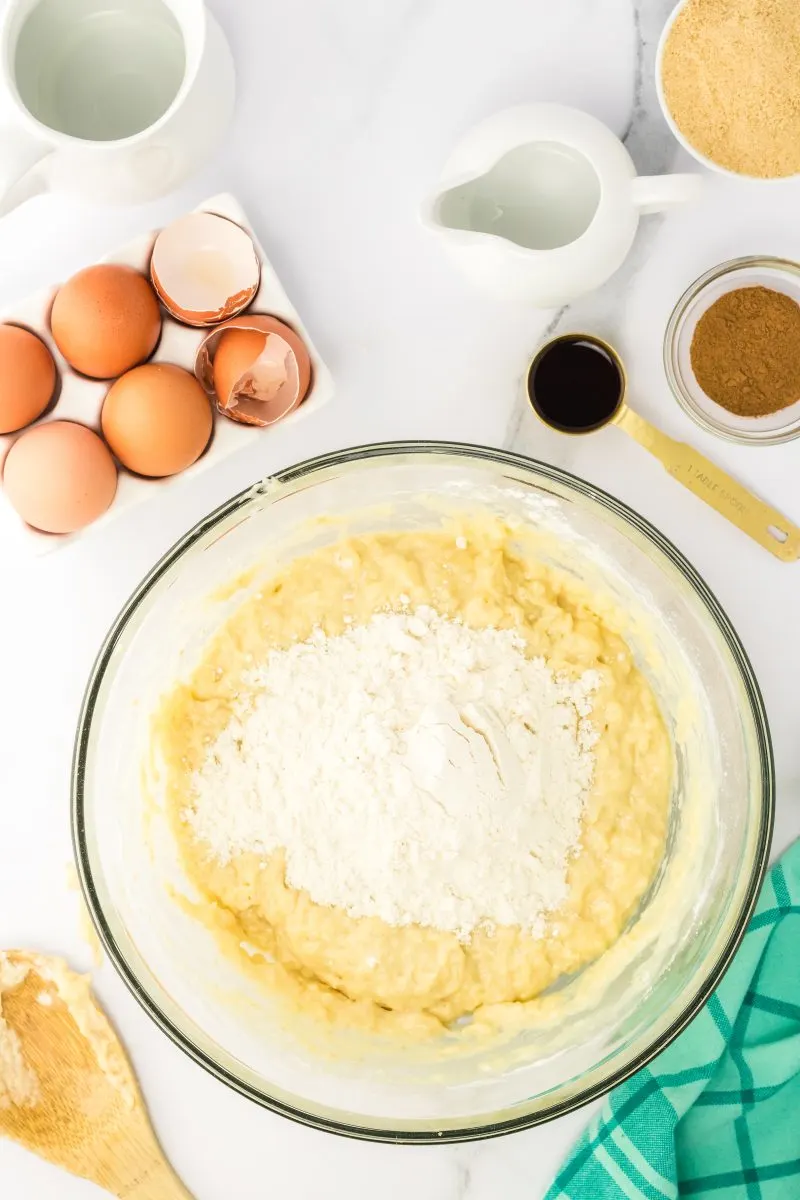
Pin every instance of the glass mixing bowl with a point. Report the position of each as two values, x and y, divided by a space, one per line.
611 1018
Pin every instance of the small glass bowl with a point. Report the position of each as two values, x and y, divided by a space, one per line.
779 274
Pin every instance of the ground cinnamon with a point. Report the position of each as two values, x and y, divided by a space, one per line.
745 351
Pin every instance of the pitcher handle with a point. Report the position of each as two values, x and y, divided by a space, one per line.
654 193
20 154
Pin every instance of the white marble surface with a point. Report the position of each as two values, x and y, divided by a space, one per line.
346 112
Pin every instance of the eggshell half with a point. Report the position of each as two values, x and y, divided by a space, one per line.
204 268
60 476
258 368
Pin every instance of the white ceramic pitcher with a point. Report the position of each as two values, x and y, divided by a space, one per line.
119 100
541 203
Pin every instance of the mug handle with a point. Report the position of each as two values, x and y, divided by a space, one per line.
654 193
20 154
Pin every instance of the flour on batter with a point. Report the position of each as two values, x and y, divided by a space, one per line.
411 769
416 980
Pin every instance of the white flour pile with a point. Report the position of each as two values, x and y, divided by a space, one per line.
412 769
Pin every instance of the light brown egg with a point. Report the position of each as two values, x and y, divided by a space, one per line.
27 378
258 368
60 476
105 320
157 419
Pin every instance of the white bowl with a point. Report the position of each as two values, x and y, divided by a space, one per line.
668 117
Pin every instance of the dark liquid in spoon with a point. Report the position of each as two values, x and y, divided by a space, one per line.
575 385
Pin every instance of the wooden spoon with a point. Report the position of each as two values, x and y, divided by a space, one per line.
67 1089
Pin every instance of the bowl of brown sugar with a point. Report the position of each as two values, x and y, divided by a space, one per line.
732 351
728 79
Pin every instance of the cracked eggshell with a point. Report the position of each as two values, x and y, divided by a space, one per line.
204 269
257 367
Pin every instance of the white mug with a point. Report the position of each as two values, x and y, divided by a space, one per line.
117 100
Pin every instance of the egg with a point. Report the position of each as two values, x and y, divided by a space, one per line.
27 378
105 320
258 368
157 419
204 268
60 476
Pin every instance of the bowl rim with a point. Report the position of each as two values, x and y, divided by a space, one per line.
393 451
675 377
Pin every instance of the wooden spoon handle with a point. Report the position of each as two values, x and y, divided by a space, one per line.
134 1168
156 1181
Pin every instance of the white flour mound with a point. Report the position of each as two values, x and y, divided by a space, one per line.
412 769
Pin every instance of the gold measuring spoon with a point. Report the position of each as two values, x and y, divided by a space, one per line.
67 1090
577 384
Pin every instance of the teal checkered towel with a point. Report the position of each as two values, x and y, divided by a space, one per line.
716 1114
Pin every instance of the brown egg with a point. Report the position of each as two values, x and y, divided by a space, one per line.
105 320
60 476
157 419
27 378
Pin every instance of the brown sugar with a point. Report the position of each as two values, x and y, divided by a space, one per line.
731 79
745 352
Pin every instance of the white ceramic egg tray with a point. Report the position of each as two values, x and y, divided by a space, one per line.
81 399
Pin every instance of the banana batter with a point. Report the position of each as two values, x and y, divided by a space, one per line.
361 972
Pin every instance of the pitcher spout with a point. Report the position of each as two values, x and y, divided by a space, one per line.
434 211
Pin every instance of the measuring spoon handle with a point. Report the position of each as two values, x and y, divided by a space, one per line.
760 521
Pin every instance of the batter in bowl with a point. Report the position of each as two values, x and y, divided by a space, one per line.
364 971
